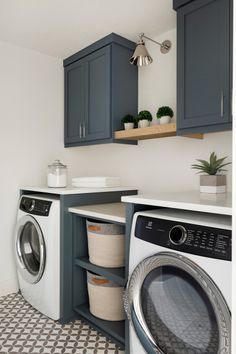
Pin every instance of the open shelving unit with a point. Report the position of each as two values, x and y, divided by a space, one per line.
117 275
113 329
152 132
109 212
112 212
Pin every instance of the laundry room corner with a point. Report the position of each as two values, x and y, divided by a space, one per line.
31 88
118 177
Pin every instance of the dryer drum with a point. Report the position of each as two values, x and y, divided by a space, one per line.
175 307
30 249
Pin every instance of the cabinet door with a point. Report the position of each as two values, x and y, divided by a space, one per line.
98 118
203 89
75 101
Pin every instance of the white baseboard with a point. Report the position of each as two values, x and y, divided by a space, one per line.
9 286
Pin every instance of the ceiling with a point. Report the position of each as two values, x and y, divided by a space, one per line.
62 27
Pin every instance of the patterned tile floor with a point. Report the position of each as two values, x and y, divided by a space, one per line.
24 330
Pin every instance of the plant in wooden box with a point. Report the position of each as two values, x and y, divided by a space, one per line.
144 118
212 181
128 120
164 113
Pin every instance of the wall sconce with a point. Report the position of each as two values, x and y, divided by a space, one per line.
141 57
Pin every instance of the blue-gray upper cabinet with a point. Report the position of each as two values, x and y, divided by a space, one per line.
204 63
178 3
75 101
100 88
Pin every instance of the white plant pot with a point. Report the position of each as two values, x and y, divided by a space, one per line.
144 123
165 120
213 184
129 126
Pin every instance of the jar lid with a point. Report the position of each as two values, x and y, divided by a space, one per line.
58 164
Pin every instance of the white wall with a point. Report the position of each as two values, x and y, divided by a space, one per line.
31 136
31 110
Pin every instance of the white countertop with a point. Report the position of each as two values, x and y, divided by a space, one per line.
187 200
110 211
73 190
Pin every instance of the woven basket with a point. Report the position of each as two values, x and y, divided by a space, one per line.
106 244
105 298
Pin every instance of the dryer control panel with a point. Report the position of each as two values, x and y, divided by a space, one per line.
35 206
184 237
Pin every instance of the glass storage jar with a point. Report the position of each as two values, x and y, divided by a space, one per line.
57 175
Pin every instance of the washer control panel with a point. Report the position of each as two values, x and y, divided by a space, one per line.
195 239
35 206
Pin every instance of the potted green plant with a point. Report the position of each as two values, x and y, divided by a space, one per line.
128 120
212 181
164 113
144 118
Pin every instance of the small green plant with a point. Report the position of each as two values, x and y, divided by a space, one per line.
213 166
144 115
164 111
128 118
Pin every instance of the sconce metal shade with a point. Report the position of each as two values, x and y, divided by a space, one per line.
141 57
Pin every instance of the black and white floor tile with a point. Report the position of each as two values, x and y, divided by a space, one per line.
24 330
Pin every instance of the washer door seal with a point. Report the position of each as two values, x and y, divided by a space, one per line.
30 249
175 307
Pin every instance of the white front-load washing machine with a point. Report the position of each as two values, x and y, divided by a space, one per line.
178 297
37 252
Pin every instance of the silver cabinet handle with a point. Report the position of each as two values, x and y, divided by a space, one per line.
222 104
84 131
80 130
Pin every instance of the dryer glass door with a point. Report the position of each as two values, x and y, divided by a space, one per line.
176 308
30 249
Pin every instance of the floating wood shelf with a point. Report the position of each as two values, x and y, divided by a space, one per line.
152 132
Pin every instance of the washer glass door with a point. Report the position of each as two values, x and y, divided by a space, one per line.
30 249
176 308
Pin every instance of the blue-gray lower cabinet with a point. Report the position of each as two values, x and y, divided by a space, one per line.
72 280
100 88
204 66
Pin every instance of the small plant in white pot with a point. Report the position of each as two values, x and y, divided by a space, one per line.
128 120
164 113
212 181
144 118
